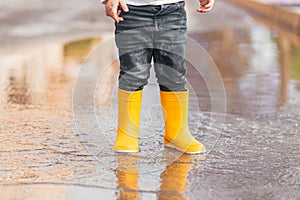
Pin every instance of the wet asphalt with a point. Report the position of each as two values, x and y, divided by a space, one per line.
58 83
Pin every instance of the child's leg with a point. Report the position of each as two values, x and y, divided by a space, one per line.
169 58
132 38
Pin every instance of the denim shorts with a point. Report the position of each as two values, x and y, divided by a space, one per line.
152 34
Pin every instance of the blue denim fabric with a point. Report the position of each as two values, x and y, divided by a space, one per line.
155 33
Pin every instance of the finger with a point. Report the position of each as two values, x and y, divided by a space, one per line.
203 3
113 12
207 7
209 4
204 9
116 18
123 6
119 12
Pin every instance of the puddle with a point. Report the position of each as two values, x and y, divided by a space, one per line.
256 155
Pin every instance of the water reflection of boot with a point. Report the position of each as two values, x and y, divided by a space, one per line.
174 178
127 177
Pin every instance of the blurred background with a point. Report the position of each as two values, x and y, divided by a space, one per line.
45 44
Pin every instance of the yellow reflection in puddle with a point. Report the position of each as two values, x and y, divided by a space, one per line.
173 178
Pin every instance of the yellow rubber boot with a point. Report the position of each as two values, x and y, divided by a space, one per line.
177 133
129 106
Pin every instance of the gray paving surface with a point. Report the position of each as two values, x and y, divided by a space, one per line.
58 109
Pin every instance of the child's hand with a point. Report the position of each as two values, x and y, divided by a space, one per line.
206 5
111 9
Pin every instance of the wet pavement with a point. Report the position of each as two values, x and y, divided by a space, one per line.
58 118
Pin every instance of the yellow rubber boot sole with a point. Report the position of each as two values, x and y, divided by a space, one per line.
177 133
129 106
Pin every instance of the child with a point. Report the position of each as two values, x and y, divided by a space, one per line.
146 30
